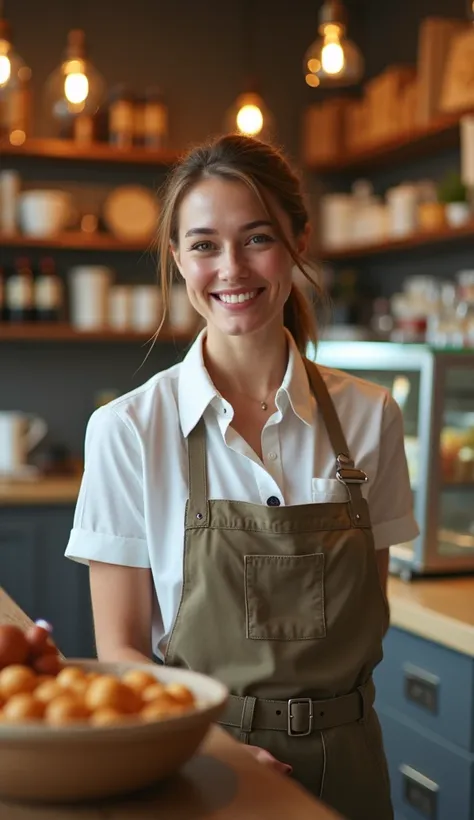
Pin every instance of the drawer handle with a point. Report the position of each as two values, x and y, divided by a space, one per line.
419 791
421 688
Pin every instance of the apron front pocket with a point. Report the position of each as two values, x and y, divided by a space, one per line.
284 597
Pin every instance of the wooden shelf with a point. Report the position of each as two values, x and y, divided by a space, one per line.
437 136
74 240
56 332
57 490
416 240
56 149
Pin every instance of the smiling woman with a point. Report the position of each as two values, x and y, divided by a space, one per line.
234 225
237 509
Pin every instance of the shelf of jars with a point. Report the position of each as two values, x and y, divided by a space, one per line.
417 143
61 149
420 239
73 240
63 332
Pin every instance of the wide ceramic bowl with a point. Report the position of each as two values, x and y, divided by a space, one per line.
80 762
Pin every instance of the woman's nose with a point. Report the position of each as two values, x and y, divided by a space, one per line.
232 266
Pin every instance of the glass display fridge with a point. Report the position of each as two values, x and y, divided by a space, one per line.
435 391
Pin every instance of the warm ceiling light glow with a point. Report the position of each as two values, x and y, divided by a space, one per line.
250 119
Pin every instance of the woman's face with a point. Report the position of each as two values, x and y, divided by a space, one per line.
238 272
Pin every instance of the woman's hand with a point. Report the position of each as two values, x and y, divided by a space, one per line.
268 760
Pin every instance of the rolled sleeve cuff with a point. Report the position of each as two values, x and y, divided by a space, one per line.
399 531
85 546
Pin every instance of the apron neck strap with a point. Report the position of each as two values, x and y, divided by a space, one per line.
346 473
197 509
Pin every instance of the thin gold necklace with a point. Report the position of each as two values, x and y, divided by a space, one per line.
263 404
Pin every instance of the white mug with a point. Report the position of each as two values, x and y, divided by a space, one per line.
89 295
44 212
120 307
20 433
146 308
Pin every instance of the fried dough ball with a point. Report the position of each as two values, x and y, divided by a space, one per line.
153 692
108 691
48 691
107 717
15 679
180 693
73 679
70 674
64 709
23 707
43 679
161 709
138 680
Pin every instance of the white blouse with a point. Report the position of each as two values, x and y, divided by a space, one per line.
131 504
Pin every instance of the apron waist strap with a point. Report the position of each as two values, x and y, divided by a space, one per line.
298 717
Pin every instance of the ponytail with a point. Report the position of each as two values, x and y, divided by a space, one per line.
299 319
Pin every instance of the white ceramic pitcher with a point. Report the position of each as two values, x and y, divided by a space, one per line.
20 433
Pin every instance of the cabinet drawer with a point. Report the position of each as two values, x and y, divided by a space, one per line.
430 780
429 684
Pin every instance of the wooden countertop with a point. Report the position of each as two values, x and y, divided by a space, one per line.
439 610
221 782
54 490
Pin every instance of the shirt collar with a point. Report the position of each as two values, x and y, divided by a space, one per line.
296 385
196 390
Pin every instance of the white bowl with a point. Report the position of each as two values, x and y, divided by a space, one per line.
44 213
41 763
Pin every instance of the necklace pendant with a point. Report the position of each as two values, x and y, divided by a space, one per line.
264 405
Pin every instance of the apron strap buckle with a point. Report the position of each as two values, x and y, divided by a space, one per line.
300 719
346 473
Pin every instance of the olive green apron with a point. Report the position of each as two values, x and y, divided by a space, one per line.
283 604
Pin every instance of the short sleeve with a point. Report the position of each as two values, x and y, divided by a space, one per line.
390 496
109 522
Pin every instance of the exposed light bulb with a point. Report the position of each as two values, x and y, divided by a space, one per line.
76 88
250 119
332 58
5 69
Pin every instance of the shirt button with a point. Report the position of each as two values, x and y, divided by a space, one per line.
273 501
272 456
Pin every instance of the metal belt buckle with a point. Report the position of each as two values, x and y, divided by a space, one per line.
309 704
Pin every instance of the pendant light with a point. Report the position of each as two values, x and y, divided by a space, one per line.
14 87
10 61
333 60
75 88
249 114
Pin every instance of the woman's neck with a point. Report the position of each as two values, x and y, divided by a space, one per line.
253 364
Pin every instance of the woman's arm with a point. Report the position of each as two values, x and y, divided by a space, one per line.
122 607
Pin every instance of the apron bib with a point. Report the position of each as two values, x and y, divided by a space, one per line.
284 606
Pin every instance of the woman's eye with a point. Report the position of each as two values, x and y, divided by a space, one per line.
202 246
260 239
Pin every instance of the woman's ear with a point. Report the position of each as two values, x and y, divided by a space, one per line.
176 256
303 240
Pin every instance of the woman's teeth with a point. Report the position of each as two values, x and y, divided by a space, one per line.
235 298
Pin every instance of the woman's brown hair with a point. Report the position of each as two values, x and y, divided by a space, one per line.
265 170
